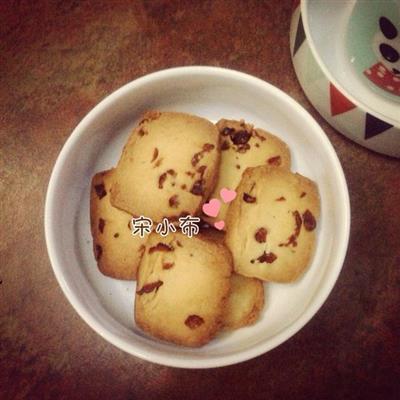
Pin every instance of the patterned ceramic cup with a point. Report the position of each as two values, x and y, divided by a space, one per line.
346 57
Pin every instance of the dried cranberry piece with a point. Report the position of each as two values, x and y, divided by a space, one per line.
208 147
309 221
161 180
102 223
227 131
268 258
292 240
168 265
248 198
100 190
197 188
160 247
194 321
173 201
240 137
150 287
274 160
261 235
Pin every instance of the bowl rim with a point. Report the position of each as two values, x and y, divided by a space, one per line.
304 15
159 357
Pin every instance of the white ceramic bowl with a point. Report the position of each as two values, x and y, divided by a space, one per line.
322 43
96 143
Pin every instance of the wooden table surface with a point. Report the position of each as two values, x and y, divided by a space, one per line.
60 58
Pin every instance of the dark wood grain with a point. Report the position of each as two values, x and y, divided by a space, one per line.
60 58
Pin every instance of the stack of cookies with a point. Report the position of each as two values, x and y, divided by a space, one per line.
190 287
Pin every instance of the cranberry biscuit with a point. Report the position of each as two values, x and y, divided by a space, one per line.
271 224
117 252
168 166
245 302
182 287
243 146
246 296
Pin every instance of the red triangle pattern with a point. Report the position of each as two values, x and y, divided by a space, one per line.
339 103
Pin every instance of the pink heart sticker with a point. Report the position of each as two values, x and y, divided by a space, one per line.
227 195
212 208
219 225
